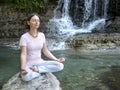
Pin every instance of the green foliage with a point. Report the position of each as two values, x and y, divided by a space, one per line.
29 4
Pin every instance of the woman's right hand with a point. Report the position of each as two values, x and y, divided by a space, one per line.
23 72
61 59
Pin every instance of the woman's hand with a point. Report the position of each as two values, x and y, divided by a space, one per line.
23 72
61 59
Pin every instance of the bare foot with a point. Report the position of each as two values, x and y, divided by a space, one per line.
34 68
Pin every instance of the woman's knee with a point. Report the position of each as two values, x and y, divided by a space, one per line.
61 66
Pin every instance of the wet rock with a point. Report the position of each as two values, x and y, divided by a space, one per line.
44 82
94 41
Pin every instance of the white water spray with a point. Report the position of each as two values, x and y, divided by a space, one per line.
63 25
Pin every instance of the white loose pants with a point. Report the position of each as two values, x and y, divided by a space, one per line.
44 67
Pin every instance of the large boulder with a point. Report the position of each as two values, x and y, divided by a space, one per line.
44 82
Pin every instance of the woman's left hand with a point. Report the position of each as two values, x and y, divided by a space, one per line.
61 59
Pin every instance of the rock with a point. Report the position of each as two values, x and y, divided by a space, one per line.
45 82
90 47
94 41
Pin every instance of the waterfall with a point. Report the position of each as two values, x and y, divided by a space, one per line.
105 8
63 23
95 12
87 11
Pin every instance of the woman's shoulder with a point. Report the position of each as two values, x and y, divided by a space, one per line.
24 35
41 33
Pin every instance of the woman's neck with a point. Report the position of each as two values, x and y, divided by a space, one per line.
33 33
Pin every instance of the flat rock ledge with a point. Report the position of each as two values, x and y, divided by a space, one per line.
45 82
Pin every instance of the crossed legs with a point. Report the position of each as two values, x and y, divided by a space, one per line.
44 67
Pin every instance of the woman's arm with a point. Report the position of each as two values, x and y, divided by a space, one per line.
23 59
48 54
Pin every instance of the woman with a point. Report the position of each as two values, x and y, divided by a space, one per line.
32 44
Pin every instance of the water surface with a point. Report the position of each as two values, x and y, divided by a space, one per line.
83 70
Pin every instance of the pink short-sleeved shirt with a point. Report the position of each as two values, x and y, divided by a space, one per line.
33 46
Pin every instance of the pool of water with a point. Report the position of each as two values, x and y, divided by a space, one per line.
9 63
83 70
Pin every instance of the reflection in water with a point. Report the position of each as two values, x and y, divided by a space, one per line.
83 71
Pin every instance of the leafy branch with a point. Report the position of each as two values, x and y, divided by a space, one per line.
29 4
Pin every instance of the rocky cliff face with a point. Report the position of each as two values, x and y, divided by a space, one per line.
12 22
45 82
114 27
12 25
114 7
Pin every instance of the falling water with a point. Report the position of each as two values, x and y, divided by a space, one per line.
87 11
94 16
95 10
62 23
105 8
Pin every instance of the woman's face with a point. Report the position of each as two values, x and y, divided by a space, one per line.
34 22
